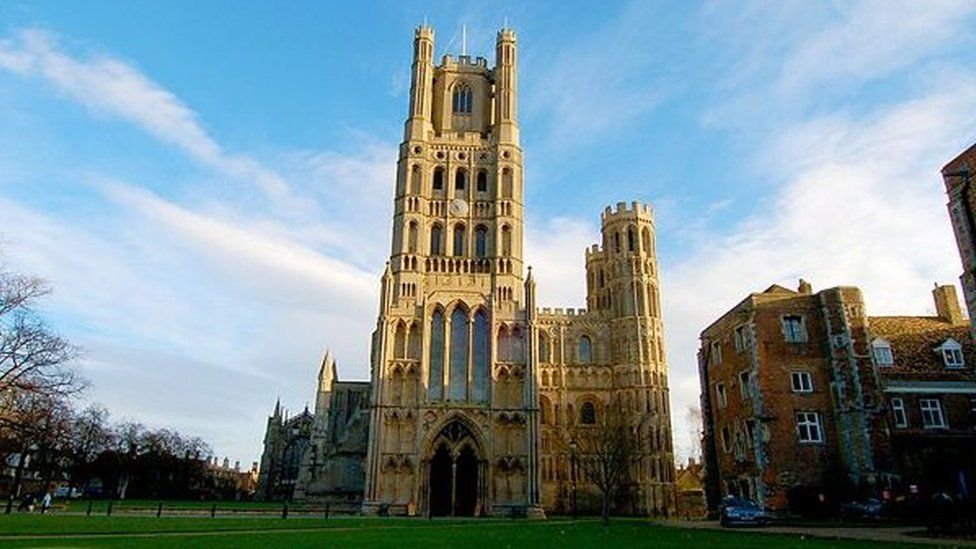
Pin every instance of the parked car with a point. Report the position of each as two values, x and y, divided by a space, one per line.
737 511
66 492
871 510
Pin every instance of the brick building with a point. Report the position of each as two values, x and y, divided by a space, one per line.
957 176
807 400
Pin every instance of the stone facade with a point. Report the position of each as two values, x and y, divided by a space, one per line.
796 398
475 391
286 440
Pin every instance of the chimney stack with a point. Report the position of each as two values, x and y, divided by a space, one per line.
947 303
805 288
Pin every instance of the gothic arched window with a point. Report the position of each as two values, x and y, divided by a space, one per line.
507 183
543 348
458 240
459 179
459 355
585 353
646 240
479 356
412 238
482 184
415 179
480 241
588 413
506 241
435 240
438 183
631 240
400 341
462 99
435 383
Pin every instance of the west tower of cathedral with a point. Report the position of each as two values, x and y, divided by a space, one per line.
476 394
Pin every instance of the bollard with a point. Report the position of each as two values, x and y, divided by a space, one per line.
159 509
213 510
284 510
111 503
90 503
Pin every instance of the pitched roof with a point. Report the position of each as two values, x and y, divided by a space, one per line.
914 340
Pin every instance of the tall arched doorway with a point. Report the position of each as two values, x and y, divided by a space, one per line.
456 478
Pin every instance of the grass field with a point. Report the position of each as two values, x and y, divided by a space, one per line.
267 533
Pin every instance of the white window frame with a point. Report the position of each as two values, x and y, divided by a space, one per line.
794 336
809 429
952 355
741 338
899 413
797 377
931 411
725 435
716 352
744 391
720 395
883 356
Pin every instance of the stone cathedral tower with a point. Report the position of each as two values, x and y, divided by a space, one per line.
477 396
452 421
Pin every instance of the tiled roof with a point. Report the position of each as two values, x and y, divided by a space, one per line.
913 342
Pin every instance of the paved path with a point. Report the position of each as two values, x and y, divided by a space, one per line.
895 534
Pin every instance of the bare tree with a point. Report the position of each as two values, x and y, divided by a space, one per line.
90 436
605 451
37 425
32 357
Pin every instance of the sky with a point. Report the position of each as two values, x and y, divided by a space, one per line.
208 185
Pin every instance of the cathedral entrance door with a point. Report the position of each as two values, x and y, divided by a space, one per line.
440 482
454 483
466 483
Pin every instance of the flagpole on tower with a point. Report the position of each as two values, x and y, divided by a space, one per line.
464 39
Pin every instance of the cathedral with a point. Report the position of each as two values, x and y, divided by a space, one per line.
477 396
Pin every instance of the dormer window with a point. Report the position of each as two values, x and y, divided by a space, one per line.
462 99
882 352
952 354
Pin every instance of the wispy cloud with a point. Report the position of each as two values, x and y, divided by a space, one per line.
110 86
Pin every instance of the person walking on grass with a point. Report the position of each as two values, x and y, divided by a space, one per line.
46 501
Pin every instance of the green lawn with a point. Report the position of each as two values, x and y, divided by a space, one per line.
60 531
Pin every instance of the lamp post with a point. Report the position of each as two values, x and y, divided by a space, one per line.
572 460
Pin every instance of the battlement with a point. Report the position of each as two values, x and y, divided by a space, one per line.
463 62
506 35
424 31
624 211
594 252
559 311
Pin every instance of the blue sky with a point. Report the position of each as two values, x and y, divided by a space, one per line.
208 185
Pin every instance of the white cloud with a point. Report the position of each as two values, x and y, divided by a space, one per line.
554 248
873 38
110 86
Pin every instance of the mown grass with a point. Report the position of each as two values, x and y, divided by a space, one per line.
60 531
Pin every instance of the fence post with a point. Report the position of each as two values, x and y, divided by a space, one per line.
111 503
213 510
327 511
159 509
88 512
284 510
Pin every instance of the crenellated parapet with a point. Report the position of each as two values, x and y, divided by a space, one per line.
624 212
